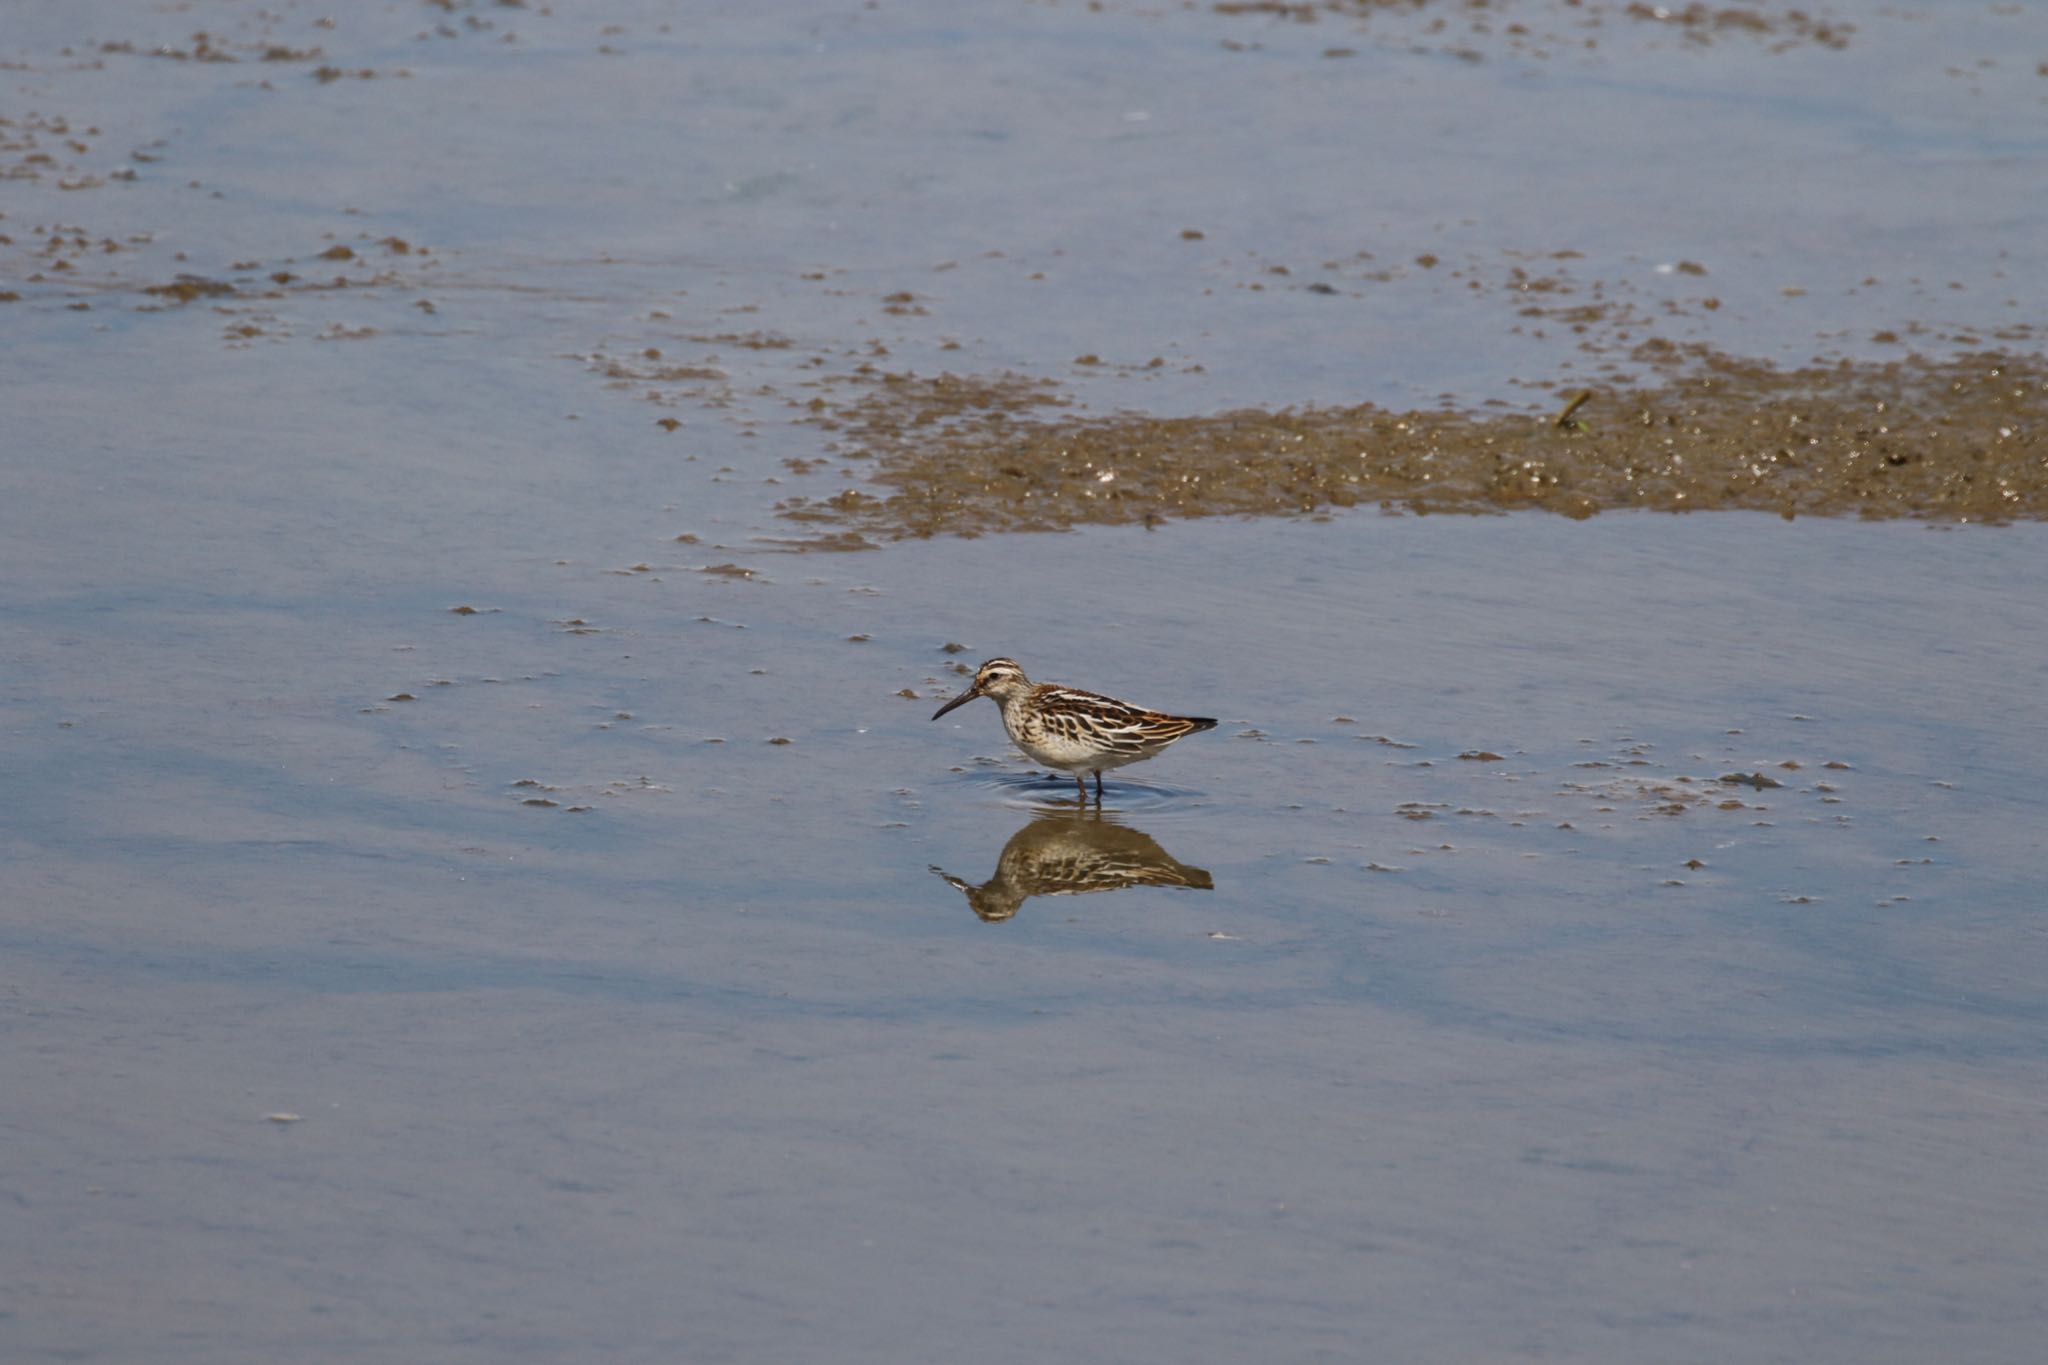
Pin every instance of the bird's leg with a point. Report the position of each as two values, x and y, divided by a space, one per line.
1098 786
1080 789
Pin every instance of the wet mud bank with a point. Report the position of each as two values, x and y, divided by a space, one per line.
1954 439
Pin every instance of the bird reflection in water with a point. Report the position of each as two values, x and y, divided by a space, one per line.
1067 853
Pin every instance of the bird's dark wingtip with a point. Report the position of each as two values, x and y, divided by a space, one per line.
1201 723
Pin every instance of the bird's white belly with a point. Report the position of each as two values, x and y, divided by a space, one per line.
1068 755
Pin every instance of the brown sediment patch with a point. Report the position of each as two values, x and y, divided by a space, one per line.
1962 439
189 287
1532 27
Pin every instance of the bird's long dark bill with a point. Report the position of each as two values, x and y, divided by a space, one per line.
969 695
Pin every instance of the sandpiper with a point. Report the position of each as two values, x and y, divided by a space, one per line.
1071 730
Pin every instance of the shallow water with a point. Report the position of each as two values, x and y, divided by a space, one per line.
420 946
719 1067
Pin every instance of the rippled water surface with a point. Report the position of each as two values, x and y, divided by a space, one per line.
474 893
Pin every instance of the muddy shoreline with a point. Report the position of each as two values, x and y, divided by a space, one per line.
1962 440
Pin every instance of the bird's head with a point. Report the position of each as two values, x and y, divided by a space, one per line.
998 678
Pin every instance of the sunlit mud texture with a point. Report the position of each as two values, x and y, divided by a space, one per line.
1958 439
1069 853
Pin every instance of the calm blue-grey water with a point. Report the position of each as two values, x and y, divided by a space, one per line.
387 982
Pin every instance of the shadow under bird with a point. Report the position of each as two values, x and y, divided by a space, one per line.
1070 730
